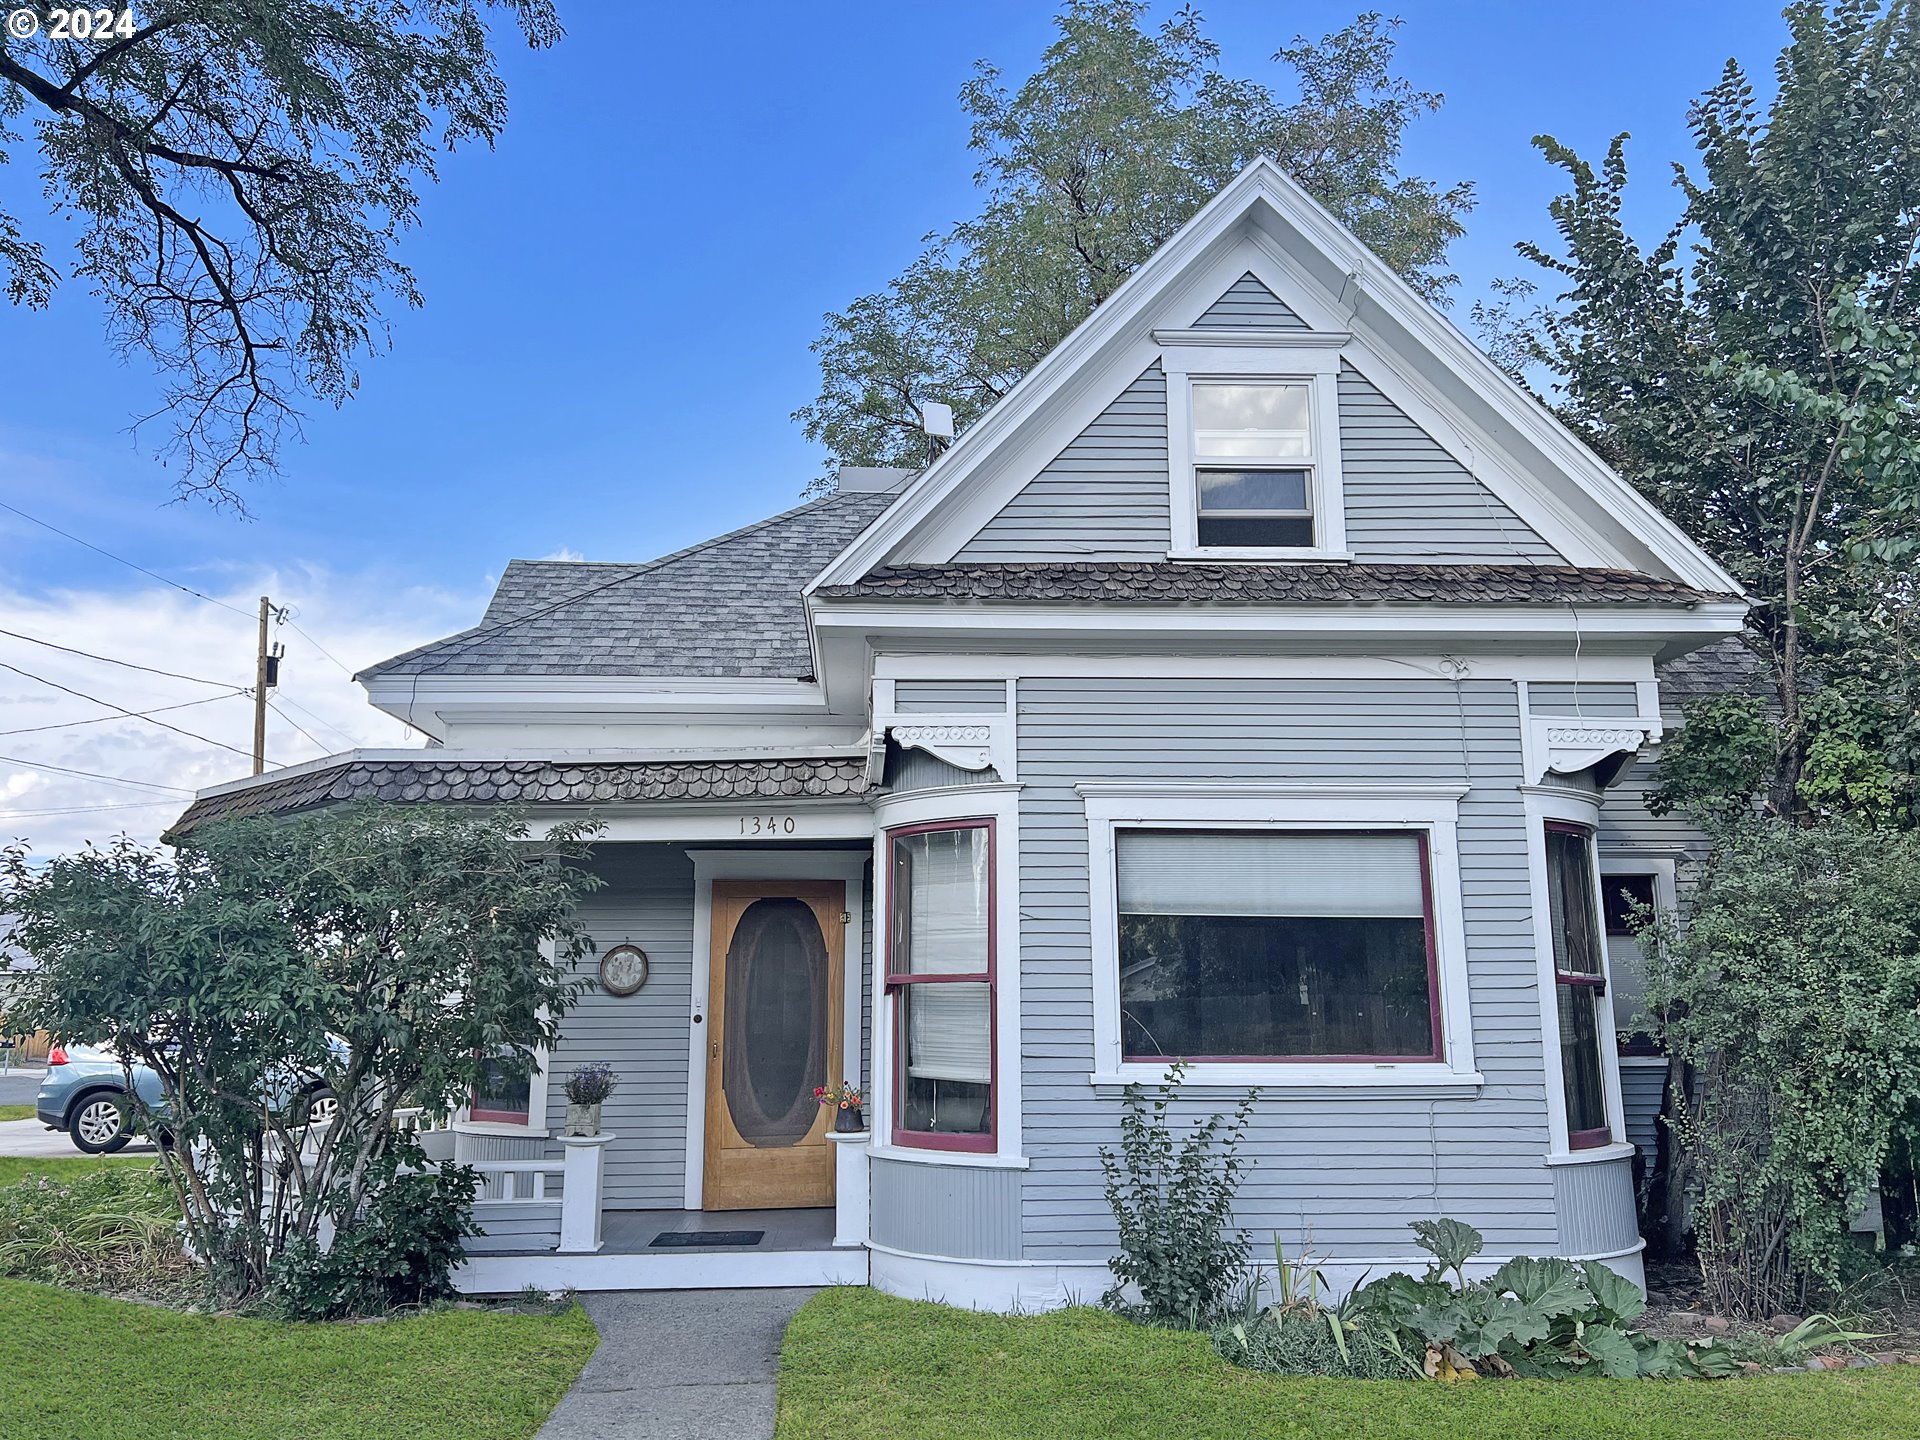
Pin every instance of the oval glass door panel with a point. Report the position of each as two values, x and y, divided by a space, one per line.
776 1024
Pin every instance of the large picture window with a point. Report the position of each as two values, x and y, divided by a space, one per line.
940 974
1276 945
1580 982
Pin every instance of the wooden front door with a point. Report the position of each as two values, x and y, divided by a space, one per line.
774 1009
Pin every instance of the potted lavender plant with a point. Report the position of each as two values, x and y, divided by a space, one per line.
587 1089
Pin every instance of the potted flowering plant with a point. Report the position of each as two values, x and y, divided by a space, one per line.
587 1089
845 1100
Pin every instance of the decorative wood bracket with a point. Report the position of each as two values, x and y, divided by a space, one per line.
969 747
1568 746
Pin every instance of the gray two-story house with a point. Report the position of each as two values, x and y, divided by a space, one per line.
1259 686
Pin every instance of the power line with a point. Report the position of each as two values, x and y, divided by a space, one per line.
295 723
123 664
348 736
88 809
92 775
130 714
139 715
287 620
121 559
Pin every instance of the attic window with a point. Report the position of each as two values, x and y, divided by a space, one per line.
1253 462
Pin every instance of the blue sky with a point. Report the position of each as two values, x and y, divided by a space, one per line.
619 300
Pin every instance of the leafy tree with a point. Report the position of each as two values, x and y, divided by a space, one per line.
1790 1001
1756 373
242 170
386 952
1087 168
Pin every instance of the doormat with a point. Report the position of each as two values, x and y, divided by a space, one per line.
681 1239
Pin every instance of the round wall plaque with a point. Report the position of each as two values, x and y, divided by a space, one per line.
623 969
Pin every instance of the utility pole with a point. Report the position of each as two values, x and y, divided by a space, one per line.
266 675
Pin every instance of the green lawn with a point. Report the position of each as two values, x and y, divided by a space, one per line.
77 1367
859 1364
18 1167
16 1112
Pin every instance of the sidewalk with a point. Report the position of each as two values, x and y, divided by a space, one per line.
30 1137
678 1365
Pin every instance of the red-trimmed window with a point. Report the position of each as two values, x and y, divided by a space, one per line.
1580 987
505 1091
940 976
1277 945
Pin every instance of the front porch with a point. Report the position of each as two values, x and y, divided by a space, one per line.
795 1248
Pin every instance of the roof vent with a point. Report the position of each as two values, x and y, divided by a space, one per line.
872 480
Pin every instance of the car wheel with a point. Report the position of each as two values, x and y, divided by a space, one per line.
321 1107
98 1124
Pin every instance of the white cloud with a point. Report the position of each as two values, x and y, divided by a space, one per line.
565 552
358 619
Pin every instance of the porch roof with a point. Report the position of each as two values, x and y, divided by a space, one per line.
438 777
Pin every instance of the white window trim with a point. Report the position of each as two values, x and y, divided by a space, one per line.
1432 811
711 865
1307 358
1000 804
1542 806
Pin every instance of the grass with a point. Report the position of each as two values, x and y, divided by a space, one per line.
858 1364
16 1112
80 1367
77 1367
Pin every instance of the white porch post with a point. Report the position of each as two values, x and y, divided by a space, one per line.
849 1187
580 1193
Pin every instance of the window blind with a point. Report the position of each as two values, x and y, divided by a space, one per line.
1171 872
949 1032
942 876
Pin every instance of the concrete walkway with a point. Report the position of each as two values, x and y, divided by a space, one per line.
678 1365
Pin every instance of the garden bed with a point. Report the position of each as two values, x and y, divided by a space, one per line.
860 1364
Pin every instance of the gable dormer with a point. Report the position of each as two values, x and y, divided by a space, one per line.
1265 389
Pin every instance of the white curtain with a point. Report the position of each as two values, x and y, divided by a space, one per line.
950 1036
1171 872
943 881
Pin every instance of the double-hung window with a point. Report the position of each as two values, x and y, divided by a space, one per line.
505 1090
1253 463
1265 945
940 977
1580 984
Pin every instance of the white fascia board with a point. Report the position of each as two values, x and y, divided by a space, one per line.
1280 627
504 699
1632 667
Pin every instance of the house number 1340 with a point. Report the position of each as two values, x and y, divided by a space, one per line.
767 825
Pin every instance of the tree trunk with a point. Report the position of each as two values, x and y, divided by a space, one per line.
1665 1221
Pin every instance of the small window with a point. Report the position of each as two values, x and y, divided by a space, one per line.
504 1092
1288 946
940 972
1623 899
1253 464
1580 983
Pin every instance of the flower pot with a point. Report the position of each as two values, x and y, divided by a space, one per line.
849 1121
583 1119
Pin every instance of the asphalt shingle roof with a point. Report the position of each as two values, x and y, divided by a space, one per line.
1727 667
505 782
1189 583
727 606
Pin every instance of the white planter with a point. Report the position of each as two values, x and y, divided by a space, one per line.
583 1119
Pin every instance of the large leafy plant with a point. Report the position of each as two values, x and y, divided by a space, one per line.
1533 1318
1172 1199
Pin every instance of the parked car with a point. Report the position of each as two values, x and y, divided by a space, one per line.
85 1094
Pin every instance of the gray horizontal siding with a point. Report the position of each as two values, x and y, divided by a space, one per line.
1642 1087
951 697
1604 698
1249 305
1595 1206
1350 1168
1103 498
1627 821
966 1212
1410 502
534 1225
647 901
915 769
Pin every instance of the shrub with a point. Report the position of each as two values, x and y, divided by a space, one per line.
1283 1342
398 1251
1173 1202
115 1231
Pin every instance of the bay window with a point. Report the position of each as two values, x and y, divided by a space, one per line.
1262 945
1580 984
504 1091
940 976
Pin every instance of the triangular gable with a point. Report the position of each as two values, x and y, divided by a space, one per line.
1263 225
1249 305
